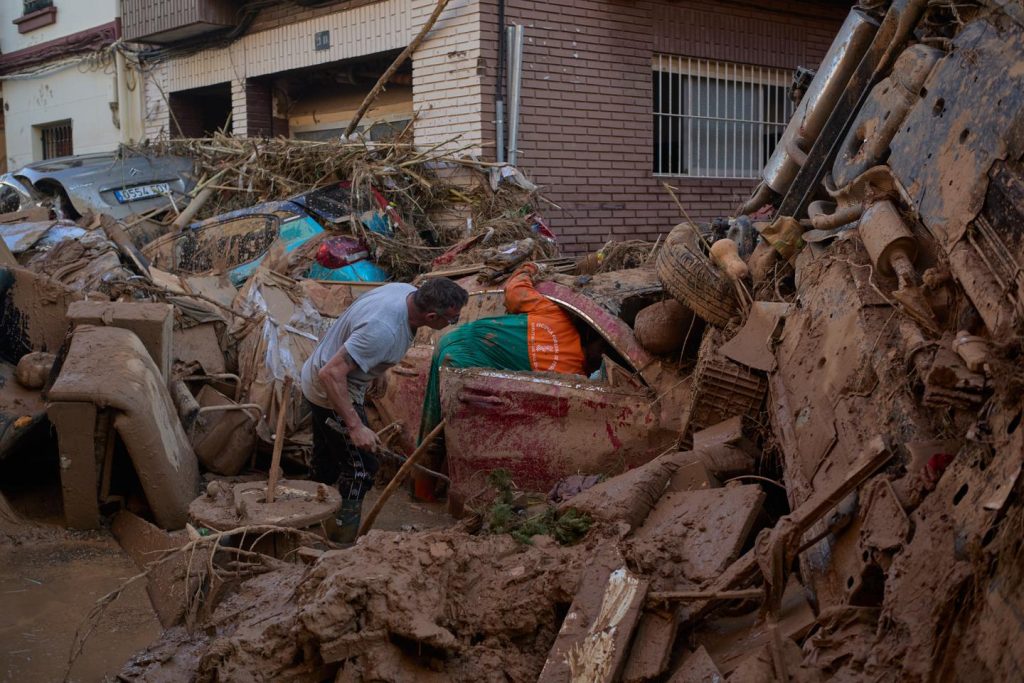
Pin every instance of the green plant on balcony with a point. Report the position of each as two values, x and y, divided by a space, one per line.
36 5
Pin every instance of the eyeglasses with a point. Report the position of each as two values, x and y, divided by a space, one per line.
450 321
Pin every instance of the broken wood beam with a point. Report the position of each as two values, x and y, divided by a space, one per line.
275 461
682 596
399 477
594 639
803 518
378 87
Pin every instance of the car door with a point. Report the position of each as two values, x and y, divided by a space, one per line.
402 400
543 427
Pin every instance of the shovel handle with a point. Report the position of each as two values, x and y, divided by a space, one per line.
398 478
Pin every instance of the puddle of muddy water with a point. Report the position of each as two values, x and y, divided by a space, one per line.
49 581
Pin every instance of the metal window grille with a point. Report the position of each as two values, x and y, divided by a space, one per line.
716 119
56 139
33 5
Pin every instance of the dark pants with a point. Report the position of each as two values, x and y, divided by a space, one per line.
336 461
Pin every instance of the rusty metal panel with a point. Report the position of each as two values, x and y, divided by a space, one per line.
971 116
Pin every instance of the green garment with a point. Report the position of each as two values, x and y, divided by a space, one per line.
498 343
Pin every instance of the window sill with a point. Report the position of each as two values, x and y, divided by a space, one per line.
38 19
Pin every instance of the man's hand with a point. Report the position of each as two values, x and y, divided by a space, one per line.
364 438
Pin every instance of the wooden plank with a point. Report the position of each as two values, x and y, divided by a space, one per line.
593 642
652 647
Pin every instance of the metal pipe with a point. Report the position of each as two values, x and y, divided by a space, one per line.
499 125
762 195
837 67
841 216
235 406
499 95
515 94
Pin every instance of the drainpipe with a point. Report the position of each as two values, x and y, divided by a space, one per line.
499 97
515 80
129 99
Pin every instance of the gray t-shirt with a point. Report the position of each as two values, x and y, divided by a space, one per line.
375 332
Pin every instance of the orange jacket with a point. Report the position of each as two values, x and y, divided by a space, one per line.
552 340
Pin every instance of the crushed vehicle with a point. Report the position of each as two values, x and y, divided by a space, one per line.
117 184
238 241
542 427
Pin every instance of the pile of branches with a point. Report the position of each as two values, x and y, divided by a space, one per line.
243 172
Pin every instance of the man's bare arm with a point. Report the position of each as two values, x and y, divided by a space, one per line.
334 379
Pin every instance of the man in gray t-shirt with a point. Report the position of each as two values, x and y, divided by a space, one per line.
371 336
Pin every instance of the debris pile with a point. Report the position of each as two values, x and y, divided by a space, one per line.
420 192
799 459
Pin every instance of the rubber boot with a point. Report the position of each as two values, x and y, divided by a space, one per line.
349 516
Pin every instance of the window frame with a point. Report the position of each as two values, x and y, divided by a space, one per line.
689 135
44 128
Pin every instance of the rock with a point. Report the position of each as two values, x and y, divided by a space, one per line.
662 327
34 368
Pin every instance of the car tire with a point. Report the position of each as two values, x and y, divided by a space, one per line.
693 280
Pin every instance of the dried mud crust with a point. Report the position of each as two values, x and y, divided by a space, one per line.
439 605
693 281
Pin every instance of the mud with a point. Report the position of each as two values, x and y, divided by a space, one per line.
663 327
50 579
398 606
692 536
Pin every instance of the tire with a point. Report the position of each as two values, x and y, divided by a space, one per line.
692 280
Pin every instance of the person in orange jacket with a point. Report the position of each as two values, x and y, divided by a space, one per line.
536 334
552 341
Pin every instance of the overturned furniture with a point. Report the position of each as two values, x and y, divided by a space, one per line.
109 387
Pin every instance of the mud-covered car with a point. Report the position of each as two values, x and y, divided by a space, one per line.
118 185
542 427
237 242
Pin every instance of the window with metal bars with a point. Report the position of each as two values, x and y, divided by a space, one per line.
716 119
56 139
34 5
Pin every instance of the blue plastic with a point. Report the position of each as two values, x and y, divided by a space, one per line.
294 233
360 271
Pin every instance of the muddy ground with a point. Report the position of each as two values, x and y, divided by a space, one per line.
51 578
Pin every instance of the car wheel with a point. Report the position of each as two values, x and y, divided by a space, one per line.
693 280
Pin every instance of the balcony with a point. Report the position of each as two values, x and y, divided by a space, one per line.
168 21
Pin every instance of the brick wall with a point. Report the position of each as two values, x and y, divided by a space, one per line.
259 105
586 125
448 72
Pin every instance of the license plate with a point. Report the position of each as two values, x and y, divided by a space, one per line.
130 194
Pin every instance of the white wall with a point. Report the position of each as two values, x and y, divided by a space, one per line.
84 98
72 16
81 93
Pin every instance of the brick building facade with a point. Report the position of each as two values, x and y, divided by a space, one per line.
608 89
586 129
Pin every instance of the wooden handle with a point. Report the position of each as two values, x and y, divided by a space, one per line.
398 478
275 461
